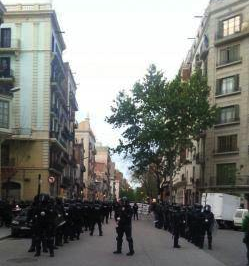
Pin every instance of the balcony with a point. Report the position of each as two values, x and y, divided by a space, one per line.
73 101
7 77
220 39
56 166
55 111
54 135
22 131
11 46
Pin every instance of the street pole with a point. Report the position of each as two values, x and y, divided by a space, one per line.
39 184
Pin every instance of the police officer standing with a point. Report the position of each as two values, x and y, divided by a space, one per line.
135 211
176 225
207 223
44 216
124 218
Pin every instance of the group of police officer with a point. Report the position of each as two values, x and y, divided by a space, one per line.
54 222
189 222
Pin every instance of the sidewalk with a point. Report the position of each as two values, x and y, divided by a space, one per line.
4 232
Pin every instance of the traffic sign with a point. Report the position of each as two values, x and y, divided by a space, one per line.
51 179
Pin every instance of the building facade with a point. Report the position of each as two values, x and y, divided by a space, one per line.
221 51
103 169
85 134
42 108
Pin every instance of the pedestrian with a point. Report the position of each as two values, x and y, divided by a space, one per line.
124 226
245 228
135 211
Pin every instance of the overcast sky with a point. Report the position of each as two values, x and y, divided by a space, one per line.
111 43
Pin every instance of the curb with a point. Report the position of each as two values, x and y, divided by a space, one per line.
5 237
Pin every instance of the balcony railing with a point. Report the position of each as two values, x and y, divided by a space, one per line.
54 135
6 76
55 110
22 131
56 166
10 45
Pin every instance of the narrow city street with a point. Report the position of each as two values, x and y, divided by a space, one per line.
152 247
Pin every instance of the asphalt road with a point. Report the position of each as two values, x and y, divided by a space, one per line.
153 247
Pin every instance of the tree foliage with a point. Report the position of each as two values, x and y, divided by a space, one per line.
160 118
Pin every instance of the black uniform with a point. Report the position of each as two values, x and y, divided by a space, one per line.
124 217
44 216
96 217
135 211
207 223
177 220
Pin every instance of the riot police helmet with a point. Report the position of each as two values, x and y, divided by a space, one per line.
207 208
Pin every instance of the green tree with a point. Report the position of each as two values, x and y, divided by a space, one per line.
159 119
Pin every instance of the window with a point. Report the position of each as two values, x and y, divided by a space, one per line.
231 26
227 85
227 143
5 37
5 155
226 174
230 54
228 114
4 114
5 67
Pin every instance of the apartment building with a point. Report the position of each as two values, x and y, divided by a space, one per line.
221 51
85 134
103 169
43 109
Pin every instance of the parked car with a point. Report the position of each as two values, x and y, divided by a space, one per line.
20 224
238 217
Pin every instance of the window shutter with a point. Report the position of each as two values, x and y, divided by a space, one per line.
236 107
218 86
236 82
220 30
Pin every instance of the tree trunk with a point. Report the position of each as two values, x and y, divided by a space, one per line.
158 187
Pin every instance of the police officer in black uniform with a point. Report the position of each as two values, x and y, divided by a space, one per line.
124 218
44 216
207 223
96 217
176 222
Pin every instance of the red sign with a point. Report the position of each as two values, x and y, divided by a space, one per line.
51 179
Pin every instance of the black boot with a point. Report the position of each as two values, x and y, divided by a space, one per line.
38 253
131 253
117 252
31 249
119 247
130 248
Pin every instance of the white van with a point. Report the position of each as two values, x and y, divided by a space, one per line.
238 217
